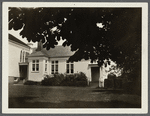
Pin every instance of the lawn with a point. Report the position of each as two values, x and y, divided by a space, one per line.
25 96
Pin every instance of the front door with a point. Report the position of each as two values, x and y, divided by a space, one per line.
95 74
23 72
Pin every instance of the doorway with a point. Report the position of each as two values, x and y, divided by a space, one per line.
95 73
23 71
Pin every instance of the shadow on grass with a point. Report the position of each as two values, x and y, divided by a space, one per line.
21 102
107 91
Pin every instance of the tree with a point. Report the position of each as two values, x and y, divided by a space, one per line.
119 38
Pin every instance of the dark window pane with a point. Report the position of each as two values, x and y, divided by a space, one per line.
37 67
52 72
20 56
45 67
67 66
56 68
72 66
33 67
56 61
37 61
67 70
23 56
52 62
72 71
33 61
45 61
52 67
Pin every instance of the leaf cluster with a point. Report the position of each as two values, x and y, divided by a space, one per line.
119 39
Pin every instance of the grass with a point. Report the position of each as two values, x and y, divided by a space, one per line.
25 96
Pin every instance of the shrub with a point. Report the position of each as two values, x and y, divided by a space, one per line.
111 76
113 83
54 80
131 83
46 81
118 83
48 76
80 77
77 79
109 83
57 79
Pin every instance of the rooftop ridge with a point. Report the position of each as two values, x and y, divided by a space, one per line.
58 51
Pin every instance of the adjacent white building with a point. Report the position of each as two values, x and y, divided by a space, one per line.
18 62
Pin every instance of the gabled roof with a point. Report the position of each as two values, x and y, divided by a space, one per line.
38 54
58 51
11 37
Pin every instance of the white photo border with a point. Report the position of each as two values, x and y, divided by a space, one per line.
144 98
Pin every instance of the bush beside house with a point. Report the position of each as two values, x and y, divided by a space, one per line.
116 82
125 82
54 80
77 79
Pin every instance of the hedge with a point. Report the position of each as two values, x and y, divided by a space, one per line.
77 79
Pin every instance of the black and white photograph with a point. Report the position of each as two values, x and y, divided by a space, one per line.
75 56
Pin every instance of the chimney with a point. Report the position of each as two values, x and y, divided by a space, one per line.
40 46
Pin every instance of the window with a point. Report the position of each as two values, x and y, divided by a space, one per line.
45 65
35 65
26 59
54 68
69 67
21 56
24 55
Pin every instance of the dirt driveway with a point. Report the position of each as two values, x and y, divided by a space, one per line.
25 96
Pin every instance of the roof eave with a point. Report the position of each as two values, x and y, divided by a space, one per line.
36 56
